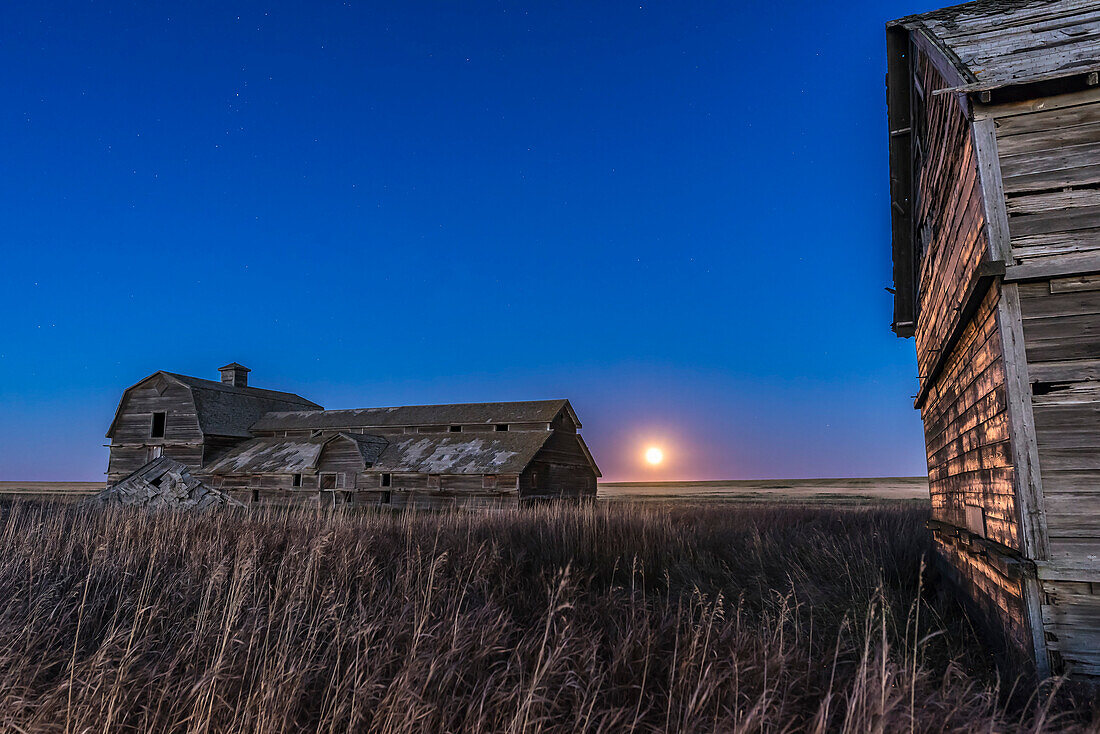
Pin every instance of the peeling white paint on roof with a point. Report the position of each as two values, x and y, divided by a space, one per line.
290 455
264 456
448 453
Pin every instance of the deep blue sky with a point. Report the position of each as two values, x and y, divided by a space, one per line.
674 214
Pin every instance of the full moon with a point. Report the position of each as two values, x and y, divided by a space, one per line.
654 455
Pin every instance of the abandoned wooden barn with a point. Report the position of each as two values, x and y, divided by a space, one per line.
263 446
994 115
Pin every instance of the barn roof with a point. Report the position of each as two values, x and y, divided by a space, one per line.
532 411
506 452
225 410
289 455
997 43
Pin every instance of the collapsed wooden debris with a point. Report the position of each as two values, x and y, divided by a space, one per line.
164 484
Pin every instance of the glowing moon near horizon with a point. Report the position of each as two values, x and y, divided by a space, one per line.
654 455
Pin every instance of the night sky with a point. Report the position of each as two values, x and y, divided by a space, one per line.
673 214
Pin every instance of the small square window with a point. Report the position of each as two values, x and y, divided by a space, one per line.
975 519
456 429
489 481
297 480
386 480
157 429
433 481
502 427
328 480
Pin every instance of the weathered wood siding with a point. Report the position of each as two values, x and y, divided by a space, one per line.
1050 164
341 457
1061 324
970 473
948 218
1062 341
566 425
993 592
131 439
1049 153
964 389
559 469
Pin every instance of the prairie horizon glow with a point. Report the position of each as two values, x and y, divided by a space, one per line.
378 204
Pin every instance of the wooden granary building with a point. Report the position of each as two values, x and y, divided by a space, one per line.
994 116
264 446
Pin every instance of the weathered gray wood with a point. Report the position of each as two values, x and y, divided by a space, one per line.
1075 264
1025 204
1059 220
1053 139
1037 105
1069 571
1077 284
1025 451
1035 625
992 190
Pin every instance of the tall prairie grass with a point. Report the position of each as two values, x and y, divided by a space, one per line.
563 619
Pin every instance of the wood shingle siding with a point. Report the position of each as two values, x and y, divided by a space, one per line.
948 217
966 432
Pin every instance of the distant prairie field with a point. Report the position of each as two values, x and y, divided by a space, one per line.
771 490
760 490
610 617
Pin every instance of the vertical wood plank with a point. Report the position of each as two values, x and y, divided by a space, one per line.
1033 605
993 197
1025 447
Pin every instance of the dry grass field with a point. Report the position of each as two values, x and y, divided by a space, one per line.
613 617
832 491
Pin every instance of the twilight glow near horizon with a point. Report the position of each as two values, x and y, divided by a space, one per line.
673 214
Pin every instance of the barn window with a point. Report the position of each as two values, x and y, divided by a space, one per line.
502 427
385 498
489 481
255 496
456 429
157 429
433 481
328 480
297 480
534 481
975 519
386 480
315 433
